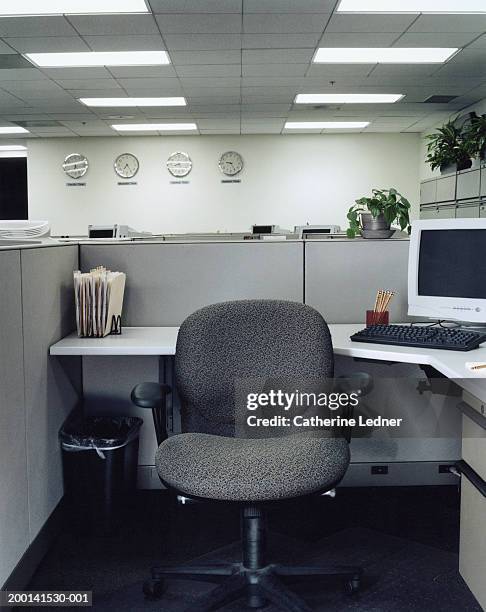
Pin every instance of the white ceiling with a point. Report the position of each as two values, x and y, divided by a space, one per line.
240 64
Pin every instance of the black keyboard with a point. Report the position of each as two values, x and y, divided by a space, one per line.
449 339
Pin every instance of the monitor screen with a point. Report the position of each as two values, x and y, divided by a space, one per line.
452 263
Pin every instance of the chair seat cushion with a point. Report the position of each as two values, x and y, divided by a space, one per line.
235 469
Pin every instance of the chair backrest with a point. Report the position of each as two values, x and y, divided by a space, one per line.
224 343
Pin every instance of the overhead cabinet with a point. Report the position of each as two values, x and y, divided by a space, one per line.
438 212
468 185
428 192
446 189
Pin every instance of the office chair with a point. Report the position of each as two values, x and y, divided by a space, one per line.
216 347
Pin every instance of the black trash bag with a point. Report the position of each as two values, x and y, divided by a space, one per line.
98 433
100 460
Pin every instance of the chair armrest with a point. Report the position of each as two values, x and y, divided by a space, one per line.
149 394
153 396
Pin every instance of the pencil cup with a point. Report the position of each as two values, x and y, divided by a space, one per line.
373 317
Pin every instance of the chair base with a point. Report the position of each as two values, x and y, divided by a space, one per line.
261 586
260 582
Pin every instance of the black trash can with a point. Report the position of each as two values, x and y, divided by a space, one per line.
100 456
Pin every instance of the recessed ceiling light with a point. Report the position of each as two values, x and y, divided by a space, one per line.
348 98
70 7
13 129
126 102
411 6
12 148
388 55
154 127
99 58
326 125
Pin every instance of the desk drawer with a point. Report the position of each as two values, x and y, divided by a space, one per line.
472 552
474 439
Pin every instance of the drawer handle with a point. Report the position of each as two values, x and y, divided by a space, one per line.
472 414
474 478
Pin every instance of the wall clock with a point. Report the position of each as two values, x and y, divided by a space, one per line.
126 165
75 165
231 163
179 164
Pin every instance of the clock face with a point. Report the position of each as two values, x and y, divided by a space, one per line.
126 165
75 165
231 163
179 164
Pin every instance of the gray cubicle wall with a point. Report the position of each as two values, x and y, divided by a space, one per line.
52 384
167 282
14 512
342 277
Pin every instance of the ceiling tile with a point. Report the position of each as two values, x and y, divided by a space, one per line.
289 6
290 83
369 23
280 41
5 49
128 72
21 74
274 70
435 39
214 131
47 44
139 42
122 25
480 42
450 23
36 26
337 70
196 6
277 56
89 84
260 129
213 70
77 73
358 39
284 23
216 82
192 58
149 83
208 42
199 24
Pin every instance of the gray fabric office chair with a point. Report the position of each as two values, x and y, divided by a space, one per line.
218 346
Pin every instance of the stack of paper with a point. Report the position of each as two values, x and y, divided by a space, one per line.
99 301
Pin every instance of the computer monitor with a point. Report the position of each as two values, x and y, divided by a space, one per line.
447 270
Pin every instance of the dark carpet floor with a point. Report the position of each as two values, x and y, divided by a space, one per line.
406 539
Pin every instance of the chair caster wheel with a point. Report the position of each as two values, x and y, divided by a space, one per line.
352 586
153 589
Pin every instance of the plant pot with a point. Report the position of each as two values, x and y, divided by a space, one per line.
375 227
448 168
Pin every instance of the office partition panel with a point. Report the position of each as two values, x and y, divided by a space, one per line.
167 282
14 523
342 277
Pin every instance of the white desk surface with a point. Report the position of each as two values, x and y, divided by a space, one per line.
132 341
162 341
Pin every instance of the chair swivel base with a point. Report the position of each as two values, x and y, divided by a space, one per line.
262 583
261 586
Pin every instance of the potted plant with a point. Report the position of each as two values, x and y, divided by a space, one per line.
475 137
448 149
373 217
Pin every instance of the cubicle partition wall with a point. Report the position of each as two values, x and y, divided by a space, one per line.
37 393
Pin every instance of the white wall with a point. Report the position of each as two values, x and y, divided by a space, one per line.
287 180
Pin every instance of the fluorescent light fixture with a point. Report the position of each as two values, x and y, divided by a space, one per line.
13 129
70 7
388 55
326 125
412 6
154 127
12 148
126 102
348 98
99 58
